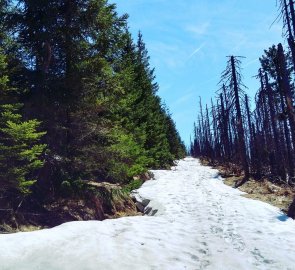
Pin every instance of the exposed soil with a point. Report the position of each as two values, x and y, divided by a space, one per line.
99 201
277 195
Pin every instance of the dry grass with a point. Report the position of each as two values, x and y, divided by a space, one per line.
279 196
6 229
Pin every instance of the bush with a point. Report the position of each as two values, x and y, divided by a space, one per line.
66 189
134 184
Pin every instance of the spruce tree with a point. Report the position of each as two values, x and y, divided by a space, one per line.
20 151
93 90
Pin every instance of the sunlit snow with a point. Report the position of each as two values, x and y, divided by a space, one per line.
199 224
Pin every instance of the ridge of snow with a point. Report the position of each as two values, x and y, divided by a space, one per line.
196 222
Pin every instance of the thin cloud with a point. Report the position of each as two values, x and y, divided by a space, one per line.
251 62
238 47
200 29
197 50
176 31
183 99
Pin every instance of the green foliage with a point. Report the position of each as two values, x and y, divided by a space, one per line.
129 159
19 152
79 72
66 189
19 149
134 184
74 188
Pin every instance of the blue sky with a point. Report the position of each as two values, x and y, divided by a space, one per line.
188 41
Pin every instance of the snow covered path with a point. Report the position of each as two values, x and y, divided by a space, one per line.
200 224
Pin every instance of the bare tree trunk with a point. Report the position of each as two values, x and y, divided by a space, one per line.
278 157
215 143
256 154
286 90
209 136
224 126
288 141
289 27
285 93
266 129
292 13
250 127
241 134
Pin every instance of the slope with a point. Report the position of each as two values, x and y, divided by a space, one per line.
198 223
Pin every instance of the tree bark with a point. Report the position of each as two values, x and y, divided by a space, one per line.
286 90
278 157
241 134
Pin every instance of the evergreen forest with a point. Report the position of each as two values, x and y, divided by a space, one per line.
93 171
78 103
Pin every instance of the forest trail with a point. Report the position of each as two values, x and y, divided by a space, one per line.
200 223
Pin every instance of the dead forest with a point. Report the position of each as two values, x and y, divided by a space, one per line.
260 142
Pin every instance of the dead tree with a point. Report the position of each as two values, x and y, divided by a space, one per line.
286 90
288 14
235 84
224 126
278 158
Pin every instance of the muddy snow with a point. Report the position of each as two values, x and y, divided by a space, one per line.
195 222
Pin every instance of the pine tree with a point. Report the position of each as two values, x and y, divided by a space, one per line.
20 151
93 90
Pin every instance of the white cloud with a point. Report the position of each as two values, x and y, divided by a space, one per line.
200 29
251 62
183 99
197 50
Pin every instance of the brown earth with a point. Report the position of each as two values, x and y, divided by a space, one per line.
99 201
276 195
279 195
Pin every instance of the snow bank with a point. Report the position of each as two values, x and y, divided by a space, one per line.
196 222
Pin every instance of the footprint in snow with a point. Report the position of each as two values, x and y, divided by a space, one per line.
260 258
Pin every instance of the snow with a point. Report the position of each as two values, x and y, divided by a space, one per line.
197 223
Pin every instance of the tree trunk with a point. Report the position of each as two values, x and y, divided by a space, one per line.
286 90
292 13
224 124
278 157
250 127
241 134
